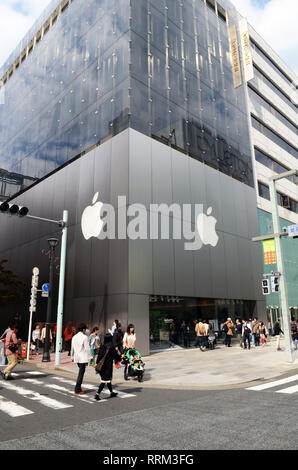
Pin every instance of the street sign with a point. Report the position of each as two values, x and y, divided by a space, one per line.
45 290
274 283
293 231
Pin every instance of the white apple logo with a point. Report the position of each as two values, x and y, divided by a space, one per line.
206 228
91 222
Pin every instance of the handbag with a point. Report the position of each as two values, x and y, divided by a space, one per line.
99 366
13 348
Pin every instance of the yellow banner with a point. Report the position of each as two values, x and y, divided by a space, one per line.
269 251
235 56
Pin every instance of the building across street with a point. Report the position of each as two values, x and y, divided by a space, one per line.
156 124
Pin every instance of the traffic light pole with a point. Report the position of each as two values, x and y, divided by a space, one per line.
280 267
61 289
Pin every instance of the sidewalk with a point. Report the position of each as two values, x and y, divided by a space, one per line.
193 369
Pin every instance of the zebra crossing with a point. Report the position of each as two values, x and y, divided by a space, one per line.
277 384
50 391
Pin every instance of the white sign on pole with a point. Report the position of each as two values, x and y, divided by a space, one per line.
293 230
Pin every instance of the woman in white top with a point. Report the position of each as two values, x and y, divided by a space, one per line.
129 339
36 338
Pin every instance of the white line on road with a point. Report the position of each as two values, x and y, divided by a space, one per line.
13 409
276 383
93 387
289 390
31 395
63 390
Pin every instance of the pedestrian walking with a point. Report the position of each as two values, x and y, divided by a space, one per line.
294 332
94 344
68 335
263 334
276 332
114 327
238 327
228 329
256 331
36 338
118 344
5 332
11 347
201 333
249 325
81 355
129 341
185 331
246 335
106 355
43 336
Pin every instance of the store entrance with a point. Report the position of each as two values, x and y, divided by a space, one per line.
173 319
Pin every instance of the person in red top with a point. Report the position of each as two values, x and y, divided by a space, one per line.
11 347
68 334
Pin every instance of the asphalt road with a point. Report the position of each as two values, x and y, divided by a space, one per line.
38 411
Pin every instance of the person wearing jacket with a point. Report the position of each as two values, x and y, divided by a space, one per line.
228 329
107 352
81 355
11 345
246 332
277 330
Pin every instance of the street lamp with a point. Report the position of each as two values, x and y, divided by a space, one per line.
53 242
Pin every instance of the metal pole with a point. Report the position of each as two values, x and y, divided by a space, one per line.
280 268
61 289
46 352
29 335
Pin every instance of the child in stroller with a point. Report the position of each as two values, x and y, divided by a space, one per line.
134 366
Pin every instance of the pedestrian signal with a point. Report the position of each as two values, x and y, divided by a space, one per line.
265 287
275 283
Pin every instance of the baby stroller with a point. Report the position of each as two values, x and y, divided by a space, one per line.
134 366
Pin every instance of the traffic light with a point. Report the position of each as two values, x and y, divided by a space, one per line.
275 283
34 287
13 209
265 287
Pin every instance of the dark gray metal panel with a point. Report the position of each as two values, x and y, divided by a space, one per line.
197 182
138 315
82 264
232 266
140 266
163 267
162 191
181 179
99 266
119 167
140 164
72 176
85 183
218 269
184 270
202 272
102 171
213 195
227 193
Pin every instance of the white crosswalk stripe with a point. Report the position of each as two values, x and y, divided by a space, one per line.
41 380
13 409
93 387
278 383
31 395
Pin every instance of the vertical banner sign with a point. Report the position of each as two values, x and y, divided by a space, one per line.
246 50
269 251
235 56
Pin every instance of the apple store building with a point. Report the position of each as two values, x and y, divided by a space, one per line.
124 113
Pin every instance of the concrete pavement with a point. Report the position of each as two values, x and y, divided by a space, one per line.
193 369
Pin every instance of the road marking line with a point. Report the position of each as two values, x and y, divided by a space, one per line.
13 409
94 387
31 395
63 390
17 374
276 383
289 390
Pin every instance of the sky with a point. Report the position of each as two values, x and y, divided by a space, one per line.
274 20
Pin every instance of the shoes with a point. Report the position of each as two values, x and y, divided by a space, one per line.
97 397
117 365
113 394
80 393
3 376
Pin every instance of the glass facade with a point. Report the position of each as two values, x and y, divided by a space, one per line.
160 66
172 320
